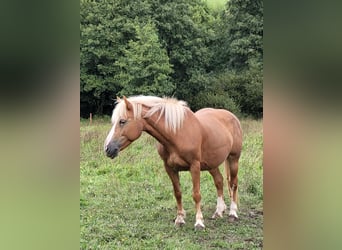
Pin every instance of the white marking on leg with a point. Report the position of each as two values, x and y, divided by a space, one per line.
233 209
180 218
220 207
199 220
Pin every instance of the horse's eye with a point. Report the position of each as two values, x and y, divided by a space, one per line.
122 122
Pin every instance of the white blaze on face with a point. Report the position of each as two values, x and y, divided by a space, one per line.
109 137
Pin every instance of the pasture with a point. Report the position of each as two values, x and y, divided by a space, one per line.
128 202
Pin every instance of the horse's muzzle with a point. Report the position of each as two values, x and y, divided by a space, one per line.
112 150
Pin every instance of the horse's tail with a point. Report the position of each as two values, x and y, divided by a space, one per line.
227 170
230 191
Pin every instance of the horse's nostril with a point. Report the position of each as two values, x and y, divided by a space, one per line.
112 150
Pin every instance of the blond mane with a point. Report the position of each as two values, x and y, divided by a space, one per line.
172 109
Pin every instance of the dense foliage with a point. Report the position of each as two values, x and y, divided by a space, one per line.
182 48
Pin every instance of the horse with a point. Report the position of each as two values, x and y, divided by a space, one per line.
187 142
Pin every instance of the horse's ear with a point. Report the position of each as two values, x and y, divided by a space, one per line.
118 99
128 104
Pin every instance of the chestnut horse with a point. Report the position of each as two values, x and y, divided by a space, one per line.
187 142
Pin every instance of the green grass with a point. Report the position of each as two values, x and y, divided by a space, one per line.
128 202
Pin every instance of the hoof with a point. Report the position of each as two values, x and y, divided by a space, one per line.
232 218
199 226
217 215
179 222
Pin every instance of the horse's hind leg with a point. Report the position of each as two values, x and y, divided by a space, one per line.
174 176
232 165
218 180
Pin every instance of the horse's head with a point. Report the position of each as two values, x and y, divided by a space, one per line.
126 128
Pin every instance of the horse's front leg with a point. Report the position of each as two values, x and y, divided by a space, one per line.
174 176
195 170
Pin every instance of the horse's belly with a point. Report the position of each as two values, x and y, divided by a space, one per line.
177 163
205 166
187 168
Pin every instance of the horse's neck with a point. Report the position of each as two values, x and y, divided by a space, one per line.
158 130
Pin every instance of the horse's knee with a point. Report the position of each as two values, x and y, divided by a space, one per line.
196 195
219 183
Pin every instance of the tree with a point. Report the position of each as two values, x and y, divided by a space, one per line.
184 33
106 29
177 48
242 54
97 55
144 65
244 20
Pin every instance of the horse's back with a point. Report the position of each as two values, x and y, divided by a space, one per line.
225 117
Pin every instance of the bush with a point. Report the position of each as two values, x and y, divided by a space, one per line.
245 88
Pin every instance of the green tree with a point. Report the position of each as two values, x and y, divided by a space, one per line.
106 29
241 54
97 54
179 48
185 34
244 39
144 65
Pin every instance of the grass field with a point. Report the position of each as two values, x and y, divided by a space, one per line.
128 202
